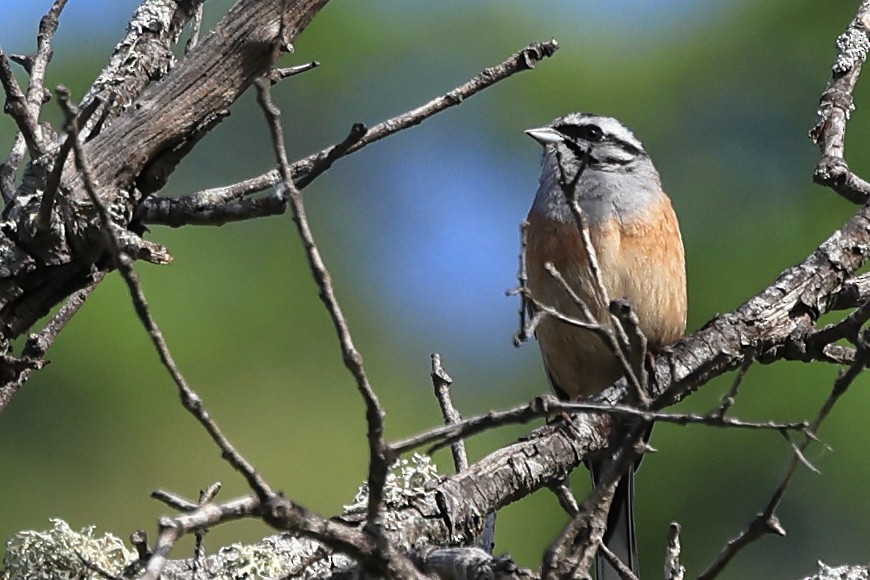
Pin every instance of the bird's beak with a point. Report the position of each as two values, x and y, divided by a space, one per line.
545 135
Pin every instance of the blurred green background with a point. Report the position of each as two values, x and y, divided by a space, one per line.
420 232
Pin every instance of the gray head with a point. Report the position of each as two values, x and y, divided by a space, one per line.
598 160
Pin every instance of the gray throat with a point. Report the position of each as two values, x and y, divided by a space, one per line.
603 194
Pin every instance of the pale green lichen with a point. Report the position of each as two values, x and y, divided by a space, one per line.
58 554
407 478
257 561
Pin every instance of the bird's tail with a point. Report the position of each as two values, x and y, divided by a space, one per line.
619 537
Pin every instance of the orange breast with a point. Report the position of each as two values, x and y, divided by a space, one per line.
641 261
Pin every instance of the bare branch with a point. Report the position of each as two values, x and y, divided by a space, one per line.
730 397
52 182
545 405
206 495
16 106
142 56
378 461
835 106
565 497
205 516
36 91
174 501
522 335
181 211
276 75
673 569
189 398
766 522
441 381
526 59
623 570
854 292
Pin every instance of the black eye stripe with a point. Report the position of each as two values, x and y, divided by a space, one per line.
578 135
592 133
589 132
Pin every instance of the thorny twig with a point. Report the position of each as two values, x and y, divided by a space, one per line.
766 522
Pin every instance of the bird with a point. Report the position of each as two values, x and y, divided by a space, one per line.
599 162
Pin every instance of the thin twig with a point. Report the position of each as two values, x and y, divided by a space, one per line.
203 517
305 170
378 552
206 496
170 530
378 461
845 328
139 540
545 405
37 344
189 398
621 349
354 137
276 75
576 546
565 497
730 397
52 182
441 382
16 107
194 30
673 569
174 500
523 335
620 567
634 349
622 346
525 59
35 96
36 91
572 552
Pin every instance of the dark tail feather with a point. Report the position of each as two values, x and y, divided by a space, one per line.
619 537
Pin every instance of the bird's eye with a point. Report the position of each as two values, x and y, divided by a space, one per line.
591 133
